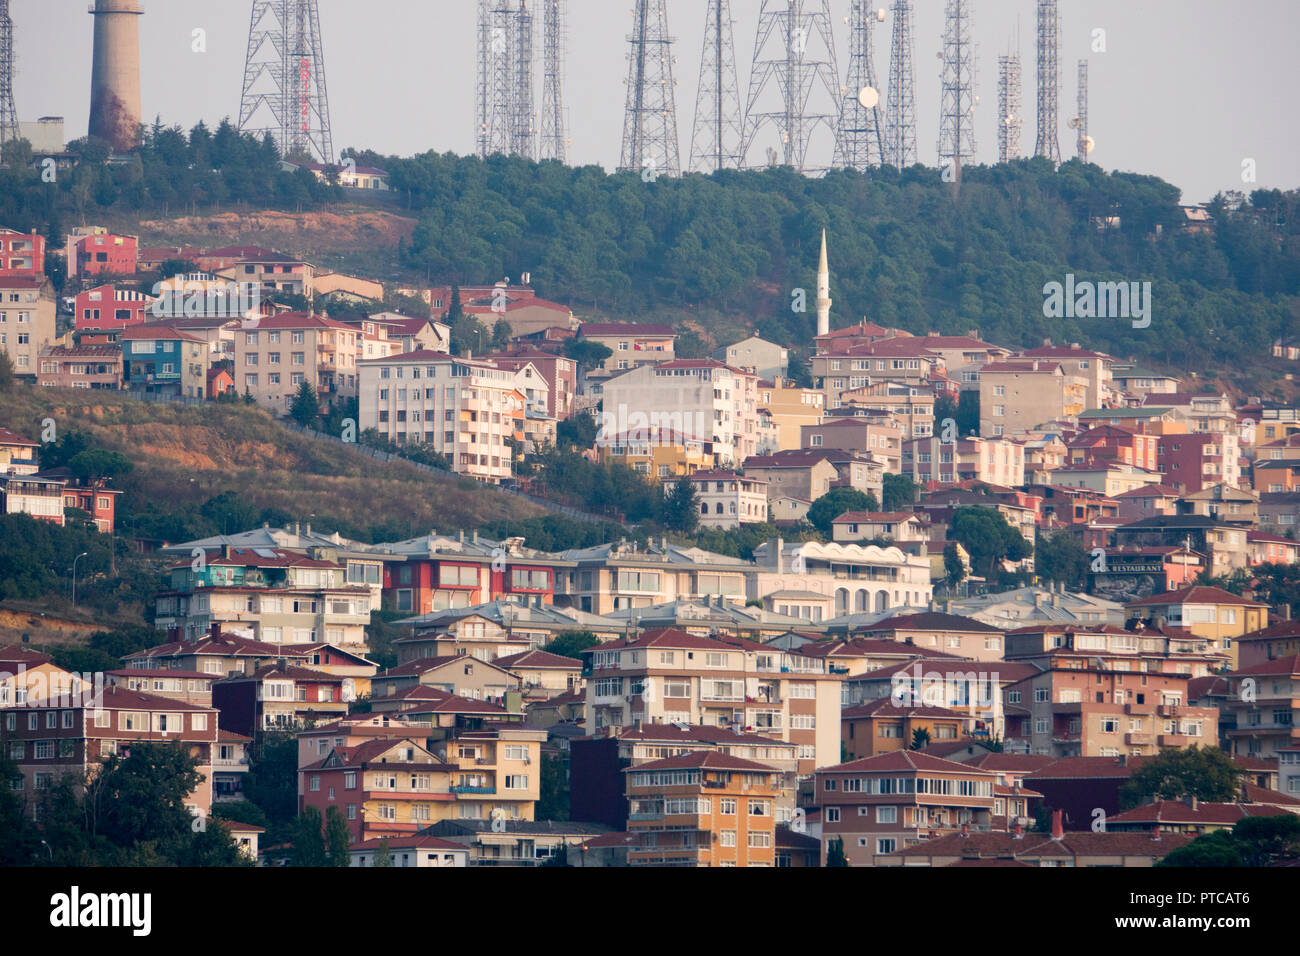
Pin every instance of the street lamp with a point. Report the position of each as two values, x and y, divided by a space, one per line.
74 576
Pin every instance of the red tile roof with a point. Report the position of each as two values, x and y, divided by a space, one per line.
703 760
1196 594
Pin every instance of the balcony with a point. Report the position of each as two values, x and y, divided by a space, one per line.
1138 739
484 790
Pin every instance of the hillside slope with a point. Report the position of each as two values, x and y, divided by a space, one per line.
201 467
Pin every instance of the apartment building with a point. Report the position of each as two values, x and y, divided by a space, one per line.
21 254
18 456
1082 710
1017 396
1261 709
1135 382
558 372
661 453
279 697
111 307
765 359
1205 611
27 320
467 410
1110 443
438 573
702 809
102 253
670 676
878 436
1224 545
95 367
631 344
789 408
276 354
696 397
950 634
275 596
598 786
1092 368
1190 462
994 461
272 273
910 406
797 473
160 360
629 575
881 726
886 803
858 578
49 739
727 499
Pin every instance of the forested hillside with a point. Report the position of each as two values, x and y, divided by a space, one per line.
906 248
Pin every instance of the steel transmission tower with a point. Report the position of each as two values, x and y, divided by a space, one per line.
284 80
860 125
900 114
794 53
1049 77
8 115
650 119
1009 106
1083 142
957 89
523 142
718 135
554 144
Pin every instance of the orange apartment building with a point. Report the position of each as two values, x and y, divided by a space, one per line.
702 809
880 726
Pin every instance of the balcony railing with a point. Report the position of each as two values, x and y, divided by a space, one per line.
473 789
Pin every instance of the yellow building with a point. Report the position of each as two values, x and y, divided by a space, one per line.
1206 612
659 453
790 408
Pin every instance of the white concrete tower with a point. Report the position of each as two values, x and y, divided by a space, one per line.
823 291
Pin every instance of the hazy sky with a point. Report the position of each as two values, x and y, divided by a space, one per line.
1186 89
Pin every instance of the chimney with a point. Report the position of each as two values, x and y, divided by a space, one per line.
1193 801
309 529
780 548
216 631
115 110
1058 829
638 725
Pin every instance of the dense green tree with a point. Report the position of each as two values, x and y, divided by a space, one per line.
6 372
1217 849
836 502
1206 773
337 837
553 792
920 739
835 853
305 408
987 538
272 778
308 838
383 853
681 508
1060 557
587 353
954 569
571 643
898 492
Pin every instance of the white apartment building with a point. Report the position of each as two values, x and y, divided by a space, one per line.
698 398
726 499
465 409
996 461
858 578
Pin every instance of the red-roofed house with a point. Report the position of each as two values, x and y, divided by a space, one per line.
102 253
631 345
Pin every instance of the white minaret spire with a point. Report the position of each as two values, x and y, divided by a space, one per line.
823 292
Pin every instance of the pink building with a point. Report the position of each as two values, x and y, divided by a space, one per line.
104 254
111 307
21 254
